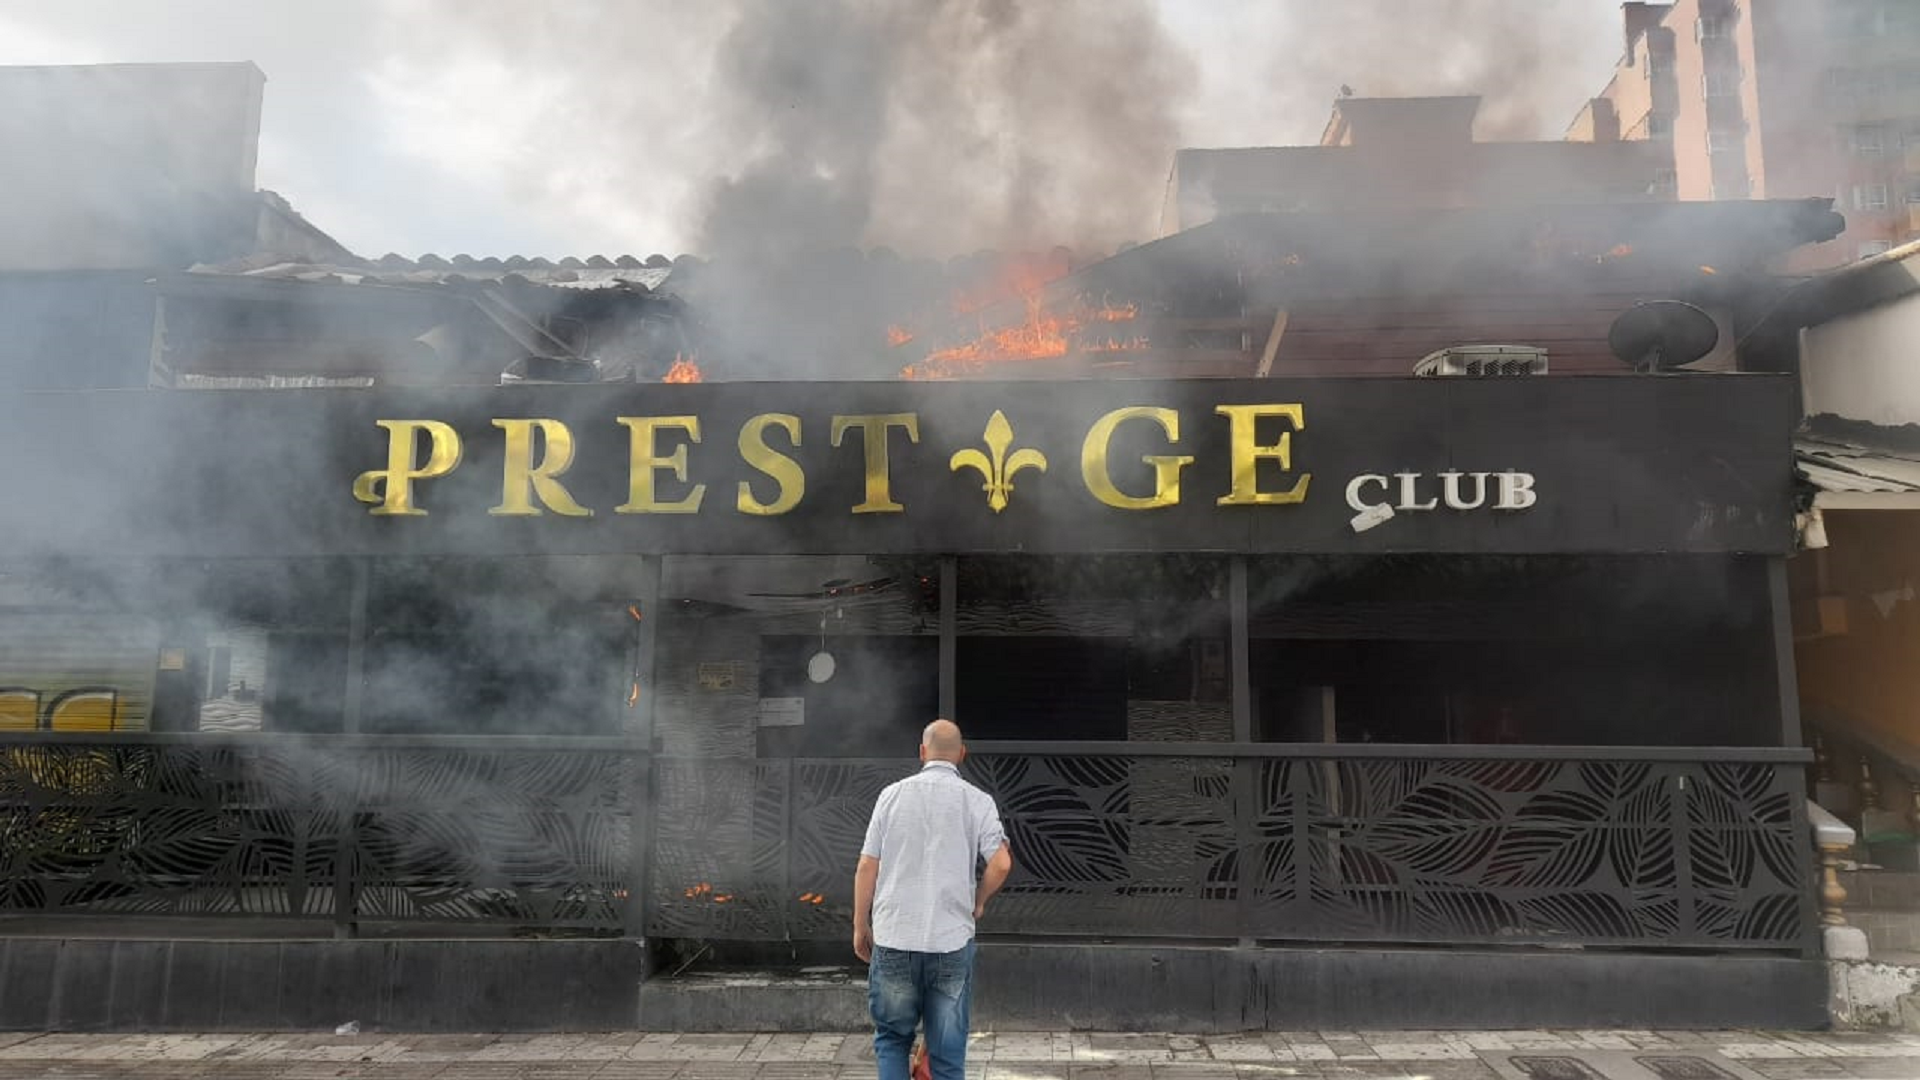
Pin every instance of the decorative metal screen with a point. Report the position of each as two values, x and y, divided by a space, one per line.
290 828
1519 845
1526 846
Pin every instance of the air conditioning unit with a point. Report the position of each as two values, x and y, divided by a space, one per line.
1484 360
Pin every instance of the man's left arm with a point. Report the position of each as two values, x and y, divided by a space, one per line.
992 841
865 876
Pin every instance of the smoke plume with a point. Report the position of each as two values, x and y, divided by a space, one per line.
1532 61
931 128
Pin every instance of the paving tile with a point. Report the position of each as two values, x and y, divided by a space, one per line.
538 1048
708 1048
242 1070
854 1050
414 1070
821 1048
799 1070
1795 1068
1025 1046
787 1047
1429 1051
639 1070
1242 1049
719 1070
605 1046
1029 1070
1403 1070
1101 1071
1194 1071
1278 1070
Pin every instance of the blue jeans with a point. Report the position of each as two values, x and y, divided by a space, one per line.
908 988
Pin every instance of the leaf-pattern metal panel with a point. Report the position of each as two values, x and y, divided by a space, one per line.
1534 848
288 829
1528 849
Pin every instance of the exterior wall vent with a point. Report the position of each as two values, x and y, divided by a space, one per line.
1484 360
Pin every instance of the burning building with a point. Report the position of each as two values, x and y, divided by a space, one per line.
1392 603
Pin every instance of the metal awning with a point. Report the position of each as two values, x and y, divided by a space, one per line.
1852 476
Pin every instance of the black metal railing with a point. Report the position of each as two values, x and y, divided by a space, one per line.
342 830
1693 849
1688 849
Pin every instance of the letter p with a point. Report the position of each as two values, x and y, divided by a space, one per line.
392 487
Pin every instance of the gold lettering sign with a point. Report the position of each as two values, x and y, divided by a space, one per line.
537 452
521 481
1248 452
874 429
785 471
1097 471
392 487
645 461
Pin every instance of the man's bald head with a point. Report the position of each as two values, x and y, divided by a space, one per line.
941 742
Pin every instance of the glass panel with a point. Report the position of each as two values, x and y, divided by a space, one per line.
170 646
1533 650
797 656
1094 647
500 646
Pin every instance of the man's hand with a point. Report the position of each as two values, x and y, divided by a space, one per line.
995 876
863 944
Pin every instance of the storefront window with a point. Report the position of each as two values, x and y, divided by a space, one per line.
230 646
1492 649
512 646
797 656
1093 647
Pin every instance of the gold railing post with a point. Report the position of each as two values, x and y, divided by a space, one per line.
1833 895
1869 791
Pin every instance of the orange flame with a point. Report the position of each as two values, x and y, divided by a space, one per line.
1045 335
1025 276
684 370
898 335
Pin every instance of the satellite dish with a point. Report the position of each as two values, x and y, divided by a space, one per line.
820 666
1661 335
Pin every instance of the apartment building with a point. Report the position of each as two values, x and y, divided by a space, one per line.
1772 99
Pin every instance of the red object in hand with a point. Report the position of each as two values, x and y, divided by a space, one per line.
919 1068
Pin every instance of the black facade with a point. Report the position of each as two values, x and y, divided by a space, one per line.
1489 665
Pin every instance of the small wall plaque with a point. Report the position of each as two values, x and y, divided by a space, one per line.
783 711
716 676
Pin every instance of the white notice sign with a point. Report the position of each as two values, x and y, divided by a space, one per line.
783 711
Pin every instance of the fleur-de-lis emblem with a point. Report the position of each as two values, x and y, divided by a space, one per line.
999 469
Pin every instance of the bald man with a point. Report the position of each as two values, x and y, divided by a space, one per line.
916 897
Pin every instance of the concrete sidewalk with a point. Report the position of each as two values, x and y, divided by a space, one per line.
1399 1055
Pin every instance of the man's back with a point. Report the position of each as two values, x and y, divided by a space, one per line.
928 833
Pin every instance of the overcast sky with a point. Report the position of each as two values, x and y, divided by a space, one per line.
563 127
